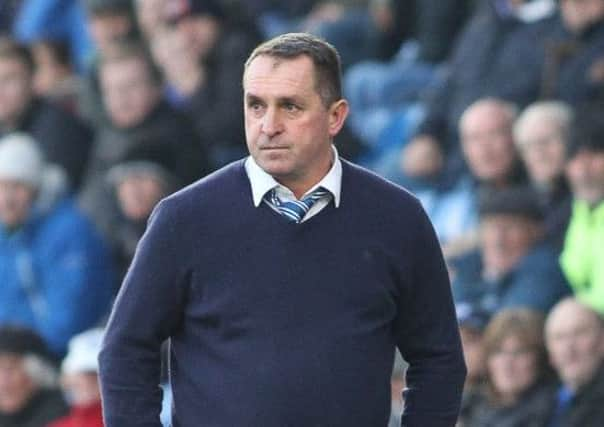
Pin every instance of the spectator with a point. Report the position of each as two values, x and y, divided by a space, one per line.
472 322
203 78
512 268
493 163
574 52
28 393
55 77
483 64
54 268
575 341
583 251
518 375
80 381
541 135
131 91
64 139
109 22
138 183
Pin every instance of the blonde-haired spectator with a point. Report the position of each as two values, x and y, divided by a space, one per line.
518 386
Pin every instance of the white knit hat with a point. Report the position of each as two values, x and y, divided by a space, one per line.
83 352
21 159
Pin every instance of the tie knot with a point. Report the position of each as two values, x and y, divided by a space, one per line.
295 210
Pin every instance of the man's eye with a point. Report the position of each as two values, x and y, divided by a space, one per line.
255 106
291 107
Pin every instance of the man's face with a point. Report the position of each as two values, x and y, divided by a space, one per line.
16 200
16 387
513 367
575 342
288 128
543 151
505 239
138 195
488 144
82 388
128 91
585 172
15 90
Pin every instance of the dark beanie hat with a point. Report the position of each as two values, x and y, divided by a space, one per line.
521 201
21 341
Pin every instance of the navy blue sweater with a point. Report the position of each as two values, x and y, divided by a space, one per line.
276 324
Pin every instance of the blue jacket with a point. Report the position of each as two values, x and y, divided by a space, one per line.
536 282
54 273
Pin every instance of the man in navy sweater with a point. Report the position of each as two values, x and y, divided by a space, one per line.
284 314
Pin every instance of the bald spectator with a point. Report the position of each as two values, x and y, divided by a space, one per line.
583 250
541 134
64 139
485 63
492 161
574 336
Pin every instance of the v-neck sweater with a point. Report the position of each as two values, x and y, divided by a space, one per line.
276 324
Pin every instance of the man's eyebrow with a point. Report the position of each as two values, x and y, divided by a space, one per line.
252 97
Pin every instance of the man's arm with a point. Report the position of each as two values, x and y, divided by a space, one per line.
147 310
428 337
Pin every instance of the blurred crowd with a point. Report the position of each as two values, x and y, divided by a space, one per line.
490 111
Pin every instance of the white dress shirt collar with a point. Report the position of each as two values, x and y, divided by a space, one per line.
262 182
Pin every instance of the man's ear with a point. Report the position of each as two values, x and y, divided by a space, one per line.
338 111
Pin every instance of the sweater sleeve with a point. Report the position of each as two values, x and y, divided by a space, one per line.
147 311
428 337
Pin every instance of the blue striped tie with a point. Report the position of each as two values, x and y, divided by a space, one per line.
295 210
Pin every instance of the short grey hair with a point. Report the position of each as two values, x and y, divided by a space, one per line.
556 112
325 58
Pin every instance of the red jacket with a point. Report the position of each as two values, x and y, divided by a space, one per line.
82 416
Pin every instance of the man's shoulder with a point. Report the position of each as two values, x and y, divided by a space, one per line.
225 184
365 184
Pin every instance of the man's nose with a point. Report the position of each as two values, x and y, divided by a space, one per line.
271 123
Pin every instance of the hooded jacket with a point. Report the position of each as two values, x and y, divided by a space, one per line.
54 269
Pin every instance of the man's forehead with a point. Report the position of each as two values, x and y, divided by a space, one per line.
266 67
569 316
